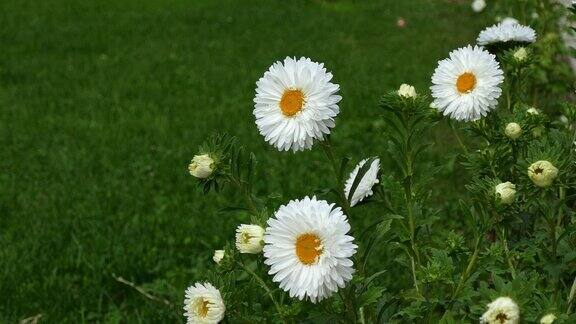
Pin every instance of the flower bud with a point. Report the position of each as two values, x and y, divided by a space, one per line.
201 166
513 131
218 256
506 191
249 238
407 91
533 111
537 131
509 21
478 5
548 319
542 173
521 54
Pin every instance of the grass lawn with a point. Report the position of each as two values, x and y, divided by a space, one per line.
103 104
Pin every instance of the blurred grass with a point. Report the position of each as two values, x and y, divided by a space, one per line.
103 103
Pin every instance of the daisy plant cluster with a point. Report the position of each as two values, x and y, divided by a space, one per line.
382 244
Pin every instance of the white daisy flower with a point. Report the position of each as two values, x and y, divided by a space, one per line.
295 104
506 32
203 304
308 249
249 238
467 84
502 310
364 188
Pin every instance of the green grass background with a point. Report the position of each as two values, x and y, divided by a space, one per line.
103 104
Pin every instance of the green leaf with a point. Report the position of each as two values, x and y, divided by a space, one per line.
371 296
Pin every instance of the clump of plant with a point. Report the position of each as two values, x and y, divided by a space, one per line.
325 257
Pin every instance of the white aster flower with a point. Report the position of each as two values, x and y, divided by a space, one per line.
466 86
249 238
548 319
513 131
407 91
201 166
364 188
478 5
295 104
502 310
506 191
542 173
203 304
308 249
506 32
218 256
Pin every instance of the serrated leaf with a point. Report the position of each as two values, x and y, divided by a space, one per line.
371 296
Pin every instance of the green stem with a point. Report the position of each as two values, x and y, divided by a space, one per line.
327 147
408 193
460 142
507 252
571 297
469 268
246 195
265 287
361 320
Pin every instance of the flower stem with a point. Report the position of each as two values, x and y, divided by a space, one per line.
507 252
460 142
327 147
247 196
571 297
265 287
469 268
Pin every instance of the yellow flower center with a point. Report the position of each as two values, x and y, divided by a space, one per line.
308 248
466 82
292 102
202 307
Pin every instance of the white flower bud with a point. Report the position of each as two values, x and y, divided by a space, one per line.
478 5
249 238
542 173
513 130
510 21
506 191
548 319
201 166
218 256
521 54
533 111
407 91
